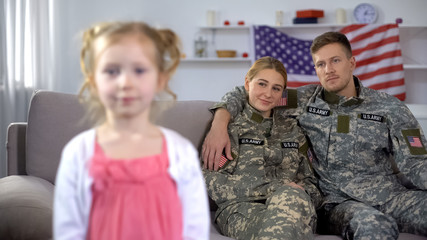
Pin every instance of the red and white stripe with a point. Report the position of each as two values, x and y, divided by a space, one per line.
297 80
222 161
379 62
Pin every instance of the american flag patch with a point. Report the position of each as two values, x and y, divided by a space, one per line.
284 100
414 141
222 161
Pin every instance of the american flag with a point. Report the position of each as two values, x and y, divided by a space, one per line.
284 99
379 63
222 161
292 52
414 141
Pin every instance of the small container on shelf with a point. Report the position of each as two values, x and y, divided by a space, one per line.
279 18
310 13
304 20
200 47
226 53
340 16
210 18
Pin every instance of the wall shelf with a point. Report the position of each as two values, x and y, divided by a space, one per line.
225 27
235 59
311 25
413 31
308 25
415 66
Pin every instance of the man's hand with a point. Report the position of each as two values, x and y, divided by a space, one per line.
216 141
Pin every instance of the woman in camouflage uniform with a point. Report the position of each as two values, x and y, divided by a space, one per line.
268 190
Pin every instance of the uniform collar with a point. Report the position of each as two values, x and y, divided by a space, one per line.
251 113
332 98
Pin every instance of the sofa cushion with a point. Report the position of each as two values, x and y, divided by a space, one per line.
26 204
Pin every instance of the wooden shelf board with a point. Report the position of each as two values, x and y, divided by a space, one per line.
216 59
414 66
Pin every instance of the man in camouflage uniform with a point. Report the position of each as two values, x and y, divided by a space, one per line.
253 192
361 139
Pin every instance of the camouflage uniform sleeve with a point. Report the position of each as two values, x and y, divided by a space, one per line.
222 186
234 101
306 176
409 145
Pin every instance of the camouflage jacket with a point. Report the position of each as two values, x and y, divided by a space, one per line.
267 153
359 143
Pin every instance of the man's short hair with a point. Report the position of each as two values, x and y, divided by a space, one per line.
329 38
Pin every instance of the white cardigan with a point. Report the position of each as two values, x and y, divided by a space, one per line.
73 196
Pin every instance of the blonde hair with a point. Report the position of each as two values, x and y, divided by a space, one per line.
267 63
167 57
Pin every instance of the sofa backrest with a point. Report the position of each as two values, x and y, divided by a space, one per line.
54 118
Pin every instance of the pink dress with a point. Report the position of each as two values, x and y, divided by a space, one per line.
134 199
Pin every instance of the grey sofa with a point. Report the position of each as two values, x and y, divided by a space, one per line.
33 153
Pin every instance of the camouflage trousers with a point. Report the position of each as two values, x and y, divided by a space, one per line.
406 212
287 214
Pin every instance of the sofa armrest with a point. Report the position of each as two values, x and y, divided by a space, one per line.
15 148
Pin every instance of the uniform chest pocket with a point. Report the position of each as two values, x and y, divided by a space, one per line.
372 132
290 152
290 162
251 152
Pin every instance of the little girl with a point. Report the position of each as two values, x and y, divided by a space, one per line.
127 178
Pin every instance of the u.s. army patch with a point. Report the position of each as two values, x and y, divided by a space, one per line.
251 141
290 145
318 111
371 117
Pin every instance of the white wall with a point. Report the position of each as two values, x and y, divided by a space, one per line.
207 81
